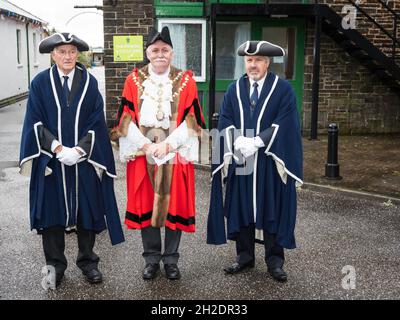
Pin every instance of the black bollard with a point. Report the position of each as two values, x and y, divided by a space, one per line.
214 120
332 165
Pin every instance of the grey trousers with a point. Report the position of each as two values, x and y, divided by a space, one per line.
151 239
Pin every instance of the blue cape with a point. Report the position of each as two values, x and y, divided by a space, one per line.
58 191
269 201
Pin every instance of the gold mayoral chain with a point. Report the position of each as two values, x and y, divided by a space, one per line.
158 99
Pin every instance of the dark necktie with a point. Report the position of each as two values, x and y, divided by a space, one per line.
254 98
65 88
254 95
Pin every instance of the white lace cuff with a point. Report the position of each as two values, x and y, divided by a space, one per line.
129 145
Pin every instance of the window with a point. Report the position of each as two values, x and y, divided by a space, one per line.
188 37
19 50
230 35
35 49
181 1
285 37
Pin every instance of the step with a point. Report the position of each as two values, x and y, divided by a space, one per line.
360 54
383 74
349 45
371 64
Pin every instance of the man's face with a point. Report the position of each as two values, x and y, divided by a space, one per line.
160 56
256 66
65 57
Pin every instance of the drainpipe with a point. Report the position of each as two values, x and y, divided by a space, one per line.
27 53
211 89
315 80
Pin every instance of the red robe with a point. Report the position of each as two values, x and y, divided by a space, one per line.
176 206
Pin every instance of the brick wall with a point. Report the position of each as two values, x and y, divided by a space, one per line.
367 28
129 17
350 94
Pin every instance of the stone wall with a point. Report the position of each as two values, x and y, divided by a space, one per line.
349 95
128 17
382 16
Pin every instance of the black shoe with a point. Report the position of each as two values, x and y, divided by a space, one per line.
150 271
93 275
172 271
278 274
237 267
59 278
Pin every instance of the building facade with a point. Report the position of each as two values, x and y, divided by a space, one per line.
342 55
21 32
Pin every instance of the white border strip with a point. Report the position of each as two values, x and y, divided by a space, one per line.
78 111
299 182
59 138
271 141
94 163
256 156
230 153
240 106
258 47
40 150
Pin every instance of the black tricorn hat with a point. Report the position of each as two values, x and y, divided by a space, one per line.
154 35
260 48
58 39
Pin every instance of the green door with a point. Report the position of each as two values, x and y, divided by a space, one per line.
286 32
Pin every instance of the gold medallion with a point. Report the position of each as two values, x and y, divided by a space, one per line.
160 115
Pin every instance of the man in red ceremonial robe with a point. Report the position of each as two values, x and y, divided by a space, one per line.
158 129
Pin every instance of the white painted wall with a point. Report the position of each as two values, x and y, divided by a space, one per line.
14 79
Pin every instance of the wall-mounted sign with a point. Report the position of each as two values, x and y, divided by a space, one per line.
128 48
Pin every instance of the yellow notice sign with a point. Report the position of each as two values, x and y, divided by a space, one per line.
128 48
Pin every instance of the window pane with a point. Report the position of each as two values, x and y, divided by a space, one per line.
34 47
19 46
182 0
230 35
219 97
284 67
186 39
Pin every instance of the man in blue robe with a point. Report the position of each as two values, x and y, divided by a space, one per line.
257 157
66 151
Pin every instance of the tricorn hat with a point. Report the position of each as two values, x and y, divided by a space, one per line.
154 35
260 48
58 39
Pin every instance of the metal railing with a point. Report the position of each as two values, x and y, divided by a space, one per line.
395 42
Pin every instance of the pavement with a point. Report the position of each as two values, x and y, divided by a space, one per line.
348 245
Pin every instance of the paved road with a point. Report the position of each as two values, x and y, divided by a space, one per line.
334 230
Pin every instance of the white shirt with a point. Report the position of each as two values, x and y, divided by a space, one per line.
56 143
260 85
69 75
258 142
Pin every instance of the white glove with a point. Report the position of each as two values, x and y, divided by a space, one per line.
248 146
68 156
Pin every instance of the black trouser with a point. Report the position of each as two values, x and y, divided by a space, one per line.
245 244
151 238
54 246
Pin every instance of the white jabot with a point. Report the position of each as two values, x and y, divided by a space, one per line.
158 87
